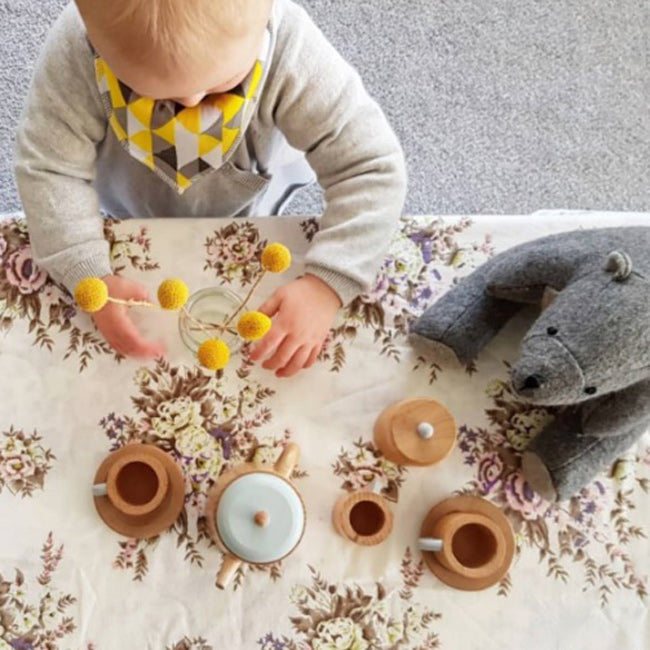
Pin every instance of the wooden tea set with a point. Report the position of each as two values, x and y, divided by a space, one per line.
255 514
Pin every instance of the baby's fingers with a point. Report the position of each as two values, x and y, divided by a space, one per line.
282 355
297 362
313 356
122 334
268 345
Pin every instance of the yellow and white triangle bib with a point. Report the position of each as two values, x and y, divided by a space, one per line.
180 143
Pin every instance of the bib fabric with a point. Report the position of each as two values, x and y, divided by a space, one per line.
181 144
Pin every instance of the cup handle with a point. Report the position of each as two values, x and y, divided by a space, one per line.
100 490
377 486
430 544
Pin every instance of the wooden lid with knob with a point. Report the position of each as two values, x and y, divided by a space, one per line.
417 431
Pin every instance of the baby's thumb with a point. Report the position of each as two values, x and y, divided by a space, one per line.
271 305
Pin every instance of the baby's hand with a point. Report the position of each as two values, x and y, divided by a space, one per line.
303 312
114 323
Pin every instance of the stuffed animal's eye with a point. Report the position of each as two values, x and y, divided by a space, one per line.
551 331
590 390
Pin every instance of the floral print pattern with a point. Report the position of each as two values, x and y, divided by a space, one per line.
419 267
591 530
186 643
207 425
21 271
24 462
129 249
233 252
589 548
364 465
348 617
40 623
28 294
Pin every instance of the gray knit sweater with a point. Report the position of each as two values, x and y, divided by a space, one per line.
69 162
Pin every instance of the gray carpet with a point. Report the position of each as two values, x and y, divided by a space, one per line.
502 106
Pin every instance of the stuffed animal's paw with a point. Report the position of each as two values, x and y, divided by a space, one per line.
537 475
442 353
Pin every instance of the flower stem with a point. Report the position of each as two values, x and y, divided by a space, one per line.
247 298
211 326
134 303
205 327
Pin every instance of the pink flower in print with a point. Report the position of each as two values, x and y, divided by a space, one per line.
490 469
522 498
232 250
130 546
16 466
22 271
3 245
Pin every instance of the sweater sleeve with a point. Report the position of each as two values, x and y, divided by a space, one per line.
322 108
56 148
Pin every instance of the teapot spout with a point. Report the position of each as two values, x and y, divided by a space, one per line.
228 569
288 459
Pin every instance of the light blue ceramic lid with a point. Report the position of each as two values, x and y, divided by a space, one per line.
275 502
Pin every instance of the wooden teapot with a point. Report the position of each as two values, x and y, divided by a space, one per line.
255 514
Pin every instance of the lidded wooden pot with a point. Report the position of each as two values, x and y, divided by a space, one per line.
417 431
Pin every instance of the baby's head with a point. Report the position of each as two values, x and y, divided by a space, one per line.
177 49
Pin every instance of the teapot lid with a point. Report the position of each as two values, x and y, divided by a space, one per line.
260 517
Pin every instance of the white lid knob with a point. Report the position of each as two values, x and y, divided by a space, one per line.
425 430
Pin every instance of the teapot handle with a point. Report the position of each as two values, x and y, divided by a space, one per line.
288 459
229 566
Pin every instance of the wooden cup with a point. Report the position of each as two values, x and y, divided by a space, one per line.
470 544
136 484
363 516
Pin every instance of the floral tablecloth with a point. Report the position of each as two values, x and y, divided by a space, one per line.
579 579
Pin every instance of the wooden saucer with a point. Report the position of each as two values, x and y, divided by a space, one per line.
154 522
476 505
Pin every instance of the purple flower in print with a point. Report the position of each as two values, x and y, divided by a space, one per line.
522 498
226 439
490 469
269 642
21 644
23 273
590 507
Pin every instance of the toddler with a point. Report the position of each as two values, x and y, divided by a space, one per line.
189 108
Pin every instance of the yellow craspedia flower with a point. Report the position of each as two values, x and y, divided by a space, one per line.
173 294
213 354
276 258
253 325
91 294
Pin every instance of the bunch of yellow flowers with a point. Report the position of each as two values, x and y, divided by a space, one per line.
91 294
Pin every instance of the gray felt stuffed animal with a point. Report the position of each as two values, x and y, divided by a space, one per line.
588 351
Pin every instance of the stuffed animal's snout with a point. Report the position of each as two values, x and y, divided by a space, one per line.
547 373
534 381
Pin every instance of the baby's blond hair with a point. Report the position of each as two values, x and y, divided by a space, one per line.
176 29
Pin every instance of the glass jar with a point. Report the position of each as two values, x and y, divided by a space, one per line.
210 305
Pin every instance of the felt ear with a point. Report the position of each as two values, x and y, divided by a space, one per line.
619 264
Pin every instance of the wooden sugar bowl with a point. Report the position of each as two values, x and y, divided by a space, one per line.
255 514
416 432
363 516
